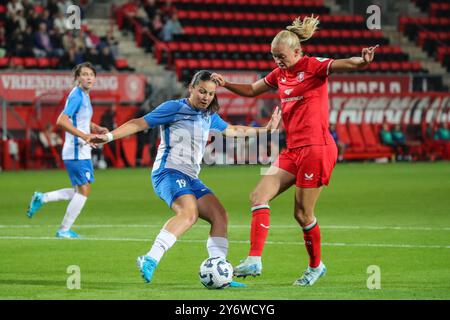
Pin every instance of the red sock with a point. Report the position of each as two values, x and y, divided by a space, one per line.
312 243
259 229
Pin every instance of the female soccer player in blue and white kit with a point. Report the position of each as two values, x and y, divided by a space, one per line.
76 121
184 126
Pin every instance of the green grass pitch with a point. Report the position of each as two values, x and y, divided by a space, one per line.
394 216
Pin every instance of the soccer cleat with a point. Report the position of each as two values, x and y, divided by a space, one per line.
69 234
251 266
311 275
147 266
234 284
35 203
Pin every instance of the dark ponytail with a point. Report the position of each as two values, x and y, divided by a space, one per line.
205 75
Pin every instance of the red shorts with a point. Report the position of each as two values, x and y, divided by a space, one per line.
312 165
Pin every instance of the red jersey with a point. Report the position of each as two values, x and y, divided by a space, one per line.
303 90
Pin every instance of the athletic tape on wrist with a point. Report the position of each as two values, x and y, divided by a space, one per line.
109 136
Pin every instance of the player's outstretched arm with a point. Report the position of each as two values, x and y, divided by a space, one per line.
242 89
243 131
128 128
354 63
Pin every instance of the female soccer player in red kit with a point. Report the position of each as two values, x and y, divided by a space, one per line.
311 151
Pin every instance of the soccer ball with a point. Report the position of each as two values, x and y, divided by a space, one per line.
216 273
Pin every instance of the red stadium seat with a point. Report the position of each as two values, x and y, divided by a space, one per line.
371 140
54 62
185 46
236 32
209 47
250 16
357 141
217 15
244 47
258 32
396 66
173 46
43 63
121 64
17 61
252 65
405 67
4 62
342 132
229 64
264 65
232 47
240 64
416 66
30 63
200 30
213 31
194 15
205 64
384 66
192 64
197 47
246 32
217 64
221 47
223 31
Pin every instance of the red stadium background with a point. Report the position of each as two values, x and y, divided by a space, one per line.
142 62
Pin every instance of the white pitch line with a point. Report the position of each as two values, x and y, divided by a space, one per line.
236 226
330 244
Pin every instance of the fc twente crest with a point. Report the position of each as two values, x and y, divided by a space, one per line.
300 76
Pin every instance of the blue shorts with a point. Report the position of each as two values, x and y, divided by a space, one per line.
80 171
169 184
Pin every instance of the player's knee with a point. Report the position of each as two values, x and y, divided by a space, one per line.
84 190
303 217
189 215
258 198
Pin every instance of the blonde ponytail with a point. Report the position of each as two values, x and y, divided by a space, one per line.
298 32
304 29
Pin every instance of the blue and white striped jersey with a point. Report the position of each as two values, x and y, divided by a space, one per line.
184 134
79 109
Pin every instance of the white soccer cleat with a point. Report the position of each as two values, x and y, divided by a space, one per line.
250 266
311 275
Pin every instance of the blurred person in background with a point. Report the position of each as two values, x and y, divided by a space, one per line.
75 120
170 28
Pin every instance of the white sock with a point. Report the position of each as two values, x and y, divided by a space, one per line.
310 226
217 247
61 194
73 210
163 242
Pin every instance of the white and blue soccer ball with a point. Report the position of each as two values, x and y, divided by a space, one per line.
216 273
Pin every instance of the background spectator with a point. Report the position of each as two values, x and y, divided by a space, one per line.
147 137
399 139
171 27
42 43
106 60
48 138
31 28
442 133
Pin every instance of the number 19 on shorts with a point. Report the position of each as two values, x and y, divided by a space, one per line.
181 183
